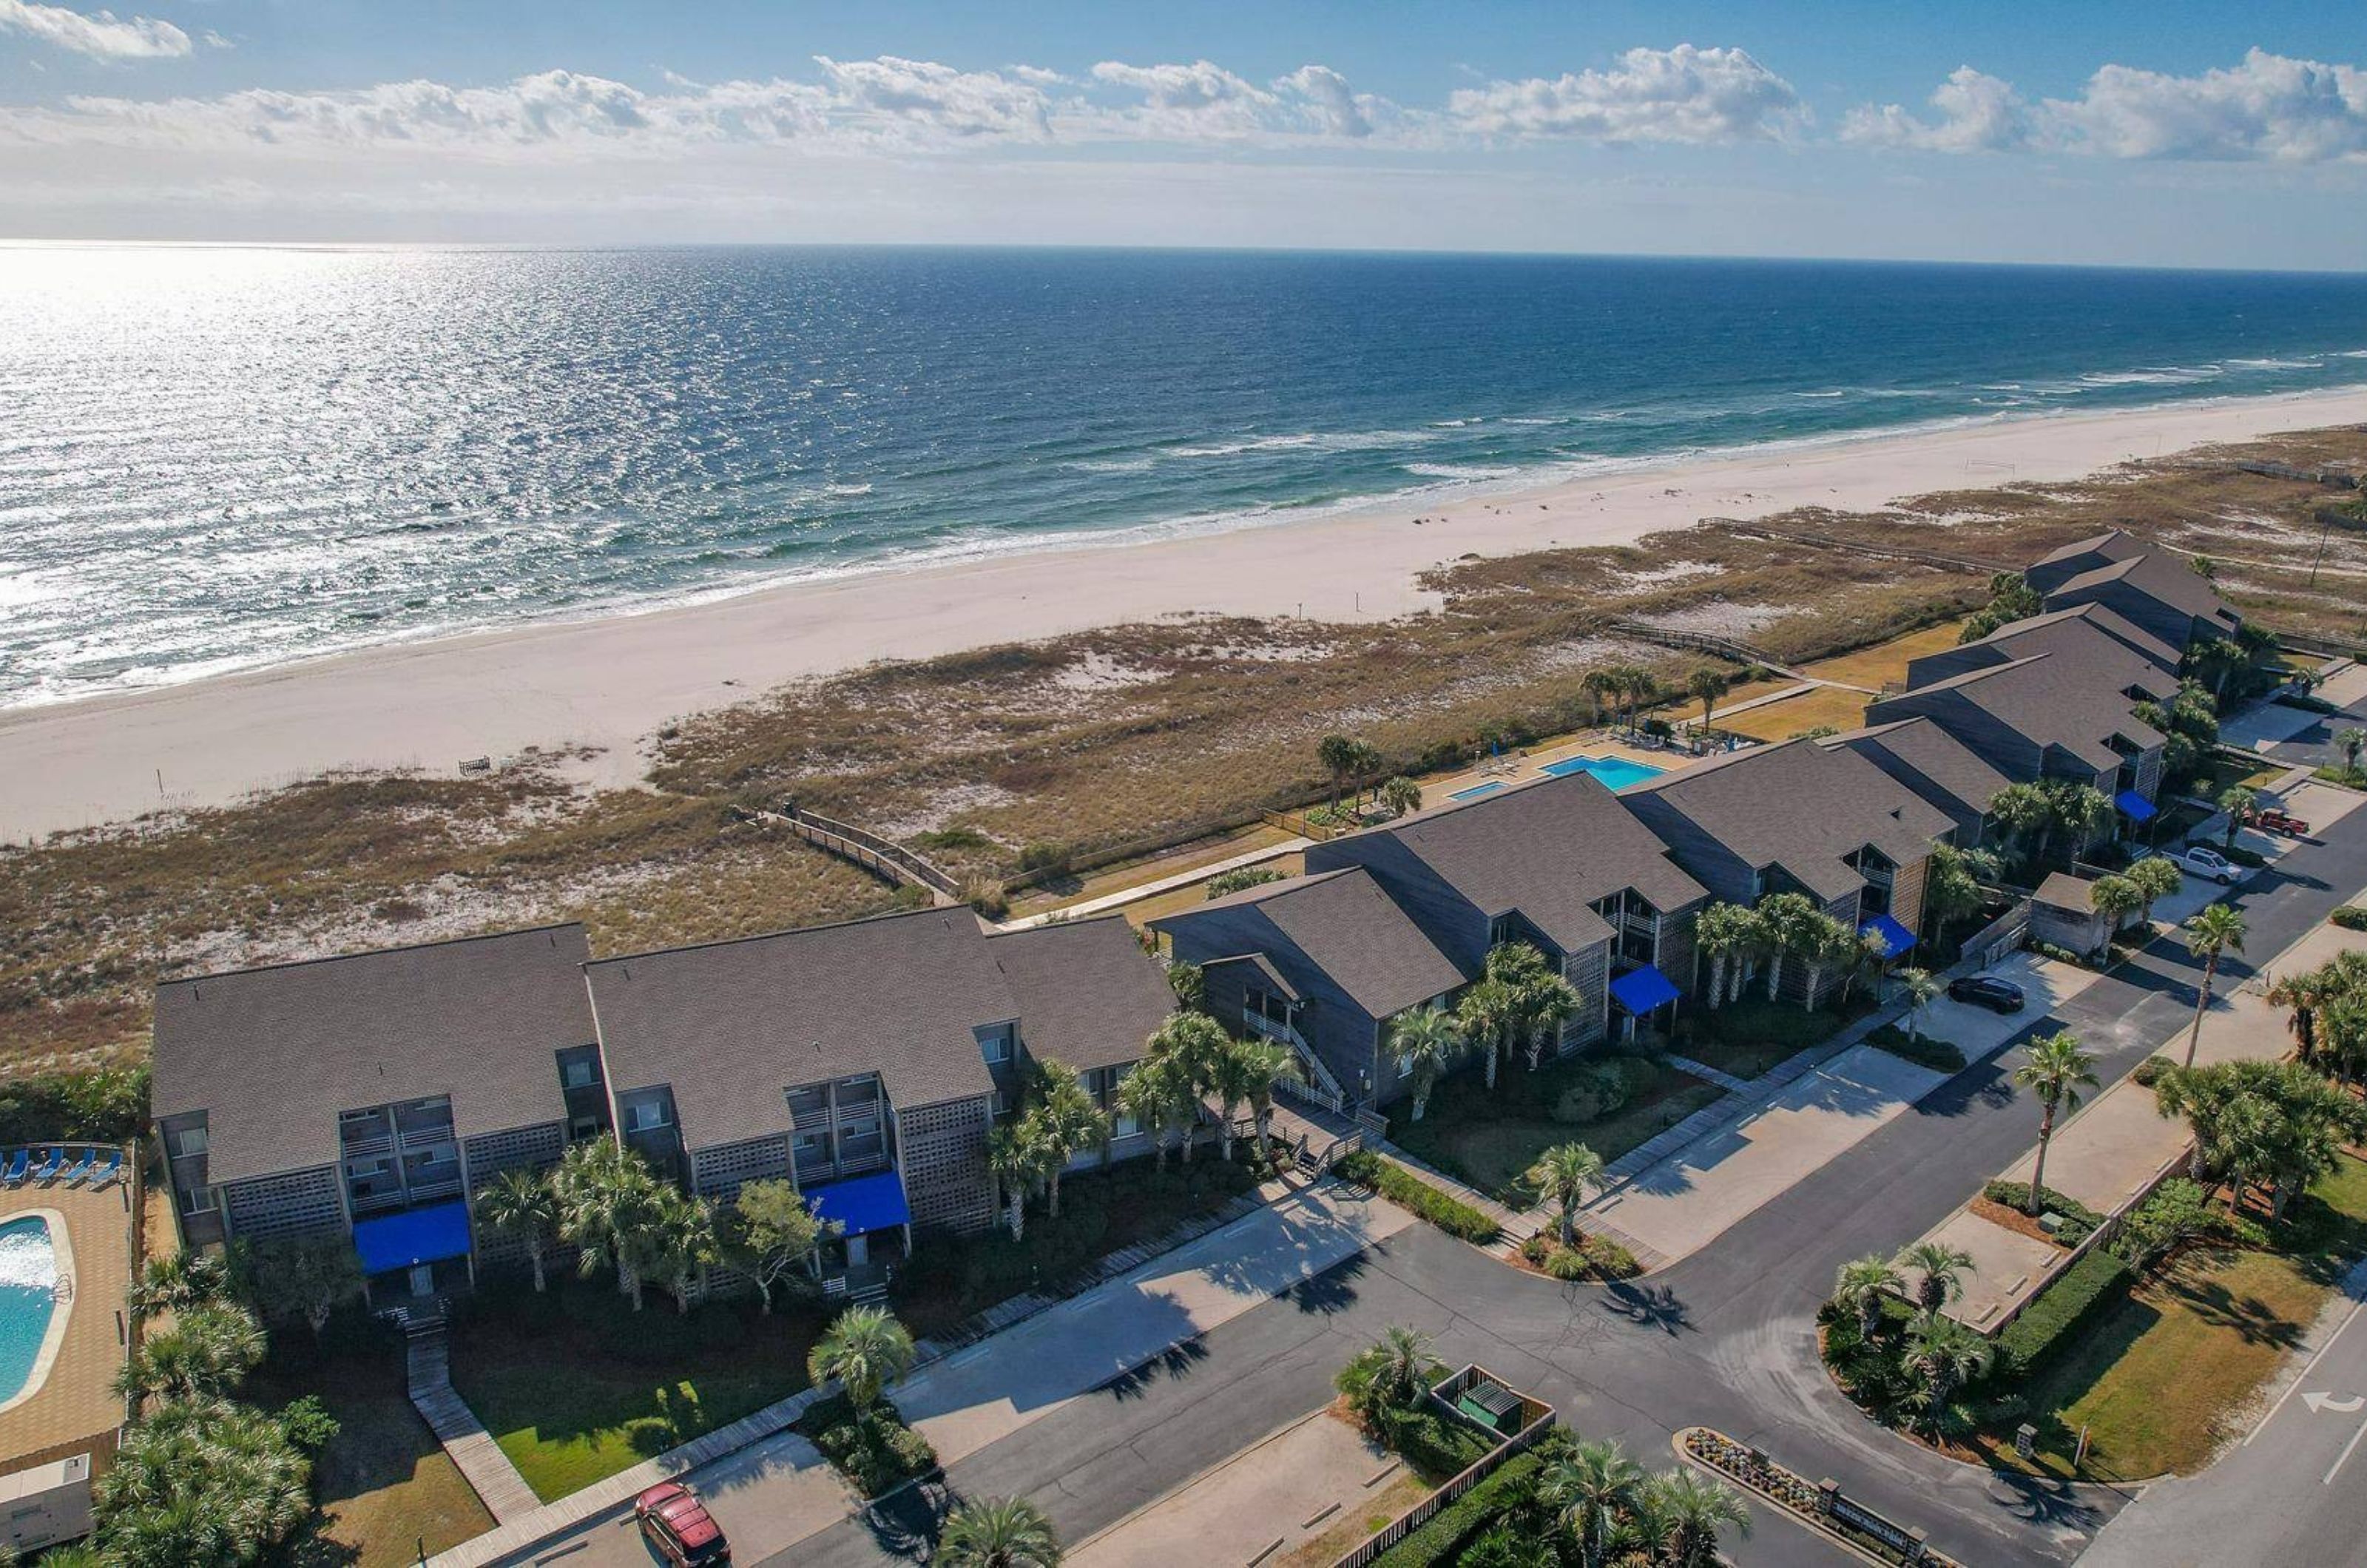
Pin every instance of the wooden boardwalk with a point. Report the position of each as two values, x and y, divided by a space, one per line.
505 1493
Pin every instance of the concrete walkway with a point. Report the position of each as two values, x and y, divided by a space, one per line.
770 1489
1125 896
496 1481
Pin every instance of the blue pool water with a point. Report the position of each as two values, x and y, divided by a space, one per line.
29 1298
1475 791
1616 772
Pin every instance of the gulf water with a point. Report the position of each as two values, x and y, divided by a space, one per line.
218 459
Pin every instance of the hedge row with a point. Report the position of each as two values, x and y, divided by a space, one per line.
1923 1050
2063 1306
1441 1541
1400 1186
2352 916
2079 1222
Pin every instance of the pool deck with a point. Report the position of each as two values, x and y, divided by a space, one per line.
74 1403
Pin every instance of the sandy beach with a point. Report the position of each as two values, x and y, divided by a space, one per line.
607 683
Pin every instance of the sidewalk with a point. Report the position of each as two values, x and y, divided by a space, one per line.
770 1489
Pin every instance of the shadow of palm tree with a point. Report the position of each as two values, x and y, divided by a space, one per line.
1648 1306
1175 1361
906 1526
2044 1501
1330 1293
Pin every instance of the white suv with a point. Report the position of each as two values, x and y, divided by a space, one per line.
2201 861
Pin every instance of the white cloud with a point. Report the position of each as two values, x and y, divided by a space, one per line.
1345 113
1653 94
1976 114
2268 107
957 104
102 35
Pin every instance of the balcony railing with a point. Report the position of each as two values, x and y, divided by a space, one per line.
1320 1088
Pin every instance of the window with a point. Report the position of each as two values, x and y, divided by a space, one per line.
576 1074
994 1044
644 1116
187 1140
1124 1126
809 1148
196 1200
583 1127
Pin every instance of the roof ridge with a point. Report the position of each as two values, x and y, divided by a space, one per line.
287 963
766 936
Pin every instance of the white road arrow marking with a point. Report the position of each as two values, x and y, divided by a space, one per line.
2321 1403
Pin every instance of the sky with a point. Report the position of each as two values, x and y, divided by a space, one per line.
2171 133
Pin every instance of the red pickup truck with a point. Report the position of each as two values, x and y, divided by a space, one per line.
2278 822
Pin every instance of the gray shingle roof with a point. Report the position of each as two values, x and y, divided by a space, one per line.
1548 850
2163 578
2079 637
2050 700
2064 891
733 1025
274 1055
1352 930
2113 545
1803 808
1952 767
1087 994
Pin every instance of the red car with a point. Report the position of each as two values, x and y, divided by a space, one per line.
2278 822
678 1527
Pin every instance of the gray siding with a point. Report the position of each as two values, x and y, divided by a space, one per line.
1336 1026
2007 749
1705 859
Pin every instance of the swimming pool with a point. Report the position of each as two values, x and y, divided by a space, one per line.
29 1302
1475 791
1616 773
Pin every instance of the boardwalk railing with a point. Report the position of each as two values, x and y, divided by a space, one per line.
886 858
1865 547
1537 1419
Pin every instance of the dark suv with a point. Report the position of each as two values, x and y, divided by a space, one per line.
1987 991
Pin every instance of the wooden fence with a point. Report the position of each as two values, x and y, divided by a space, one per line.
1538 1419
1865 548
876 854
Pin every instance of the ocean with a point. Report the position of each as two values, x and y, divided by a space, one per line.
220 458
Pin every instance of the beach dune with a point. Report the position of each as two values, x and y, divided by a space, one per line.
609 683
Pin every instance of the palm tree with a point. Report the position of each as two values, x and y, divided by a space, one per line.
1706 685
1229 1083
2218 929
2156 877
2353 741
2305 991
1824 943
206 1354
1722 932
1860 1287
1698 1510
1064 1122
1158 1094
2024 810
519 1204
1940 1269
998 1532
1589 1491
1786 925
1015 1164
1400 797
1337 753
2057 1070
1921 989
1424 1043
609 1209
1562 1176
1264 1065
2115 898
2079 811
178 1281
1389 1375
201 1481
1603 685
2236 801
685 1243
1946 1356
866 1351
1487 1015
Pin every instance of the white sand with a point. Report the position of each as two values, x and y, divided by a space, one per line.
609 683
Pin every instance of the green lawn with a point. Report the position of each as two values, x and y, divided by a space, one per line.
576 1386
1748 1037
2159 1378
1491 1138
950 1278
387 1492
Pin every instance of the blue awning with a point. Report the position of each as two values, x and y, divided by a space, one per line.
1894 938
1641 990
414 1236
2135 807
872 1202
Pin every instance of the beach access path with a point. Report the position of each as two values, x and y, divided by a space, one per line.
607 684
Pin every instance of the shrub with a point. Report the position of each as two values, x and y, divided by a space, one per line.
1441 1541
2308 703
1399 1186
2352 916
1241 877
1609 1261
986 896
2094 1281
1566 1263
2177 1214
2250 860
2079 1220
877 1453
105 1105
1045 859
1436 1445
1602 1090
1924 1052
953 839
2149 1071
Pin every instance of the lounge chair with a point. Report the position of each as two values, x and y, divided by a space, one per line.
18 1166
49 1168
81 1167
108 1169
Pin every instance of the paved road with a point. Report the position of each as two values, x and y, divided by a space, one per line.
2296 1490
1726 1337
